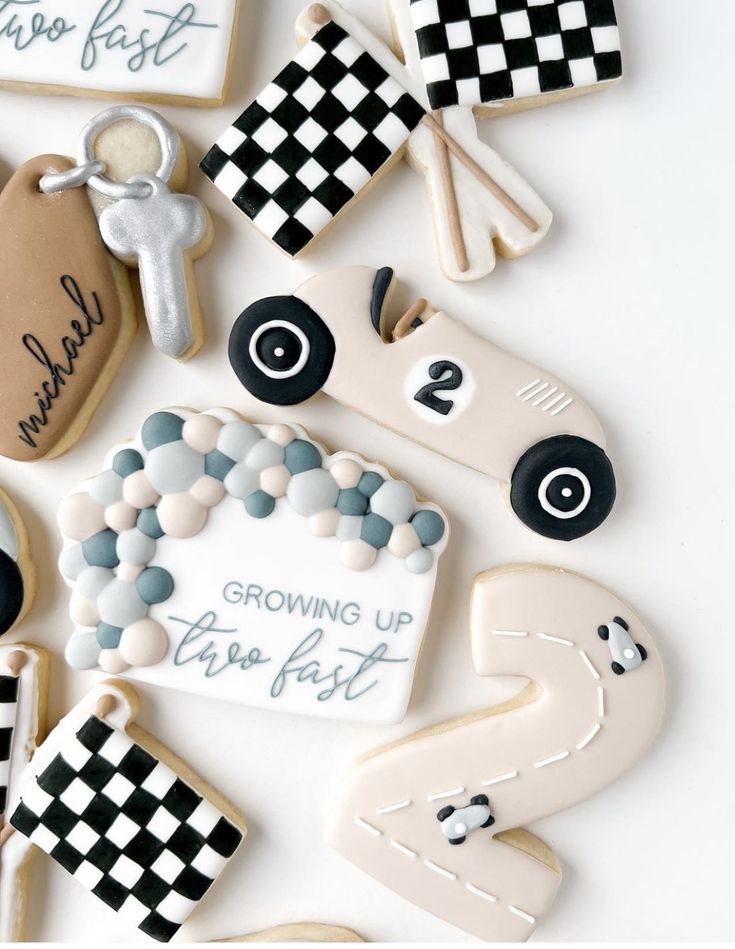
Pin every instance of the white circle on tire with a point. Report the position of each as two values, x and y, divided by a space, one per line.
291 328
548 480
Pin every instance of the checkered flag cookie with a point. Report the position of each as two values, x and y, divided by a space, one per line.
484 51
127 827
313 139
8 711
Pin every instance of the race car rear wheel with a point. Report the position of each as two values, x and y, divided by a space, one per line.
281 351
563 487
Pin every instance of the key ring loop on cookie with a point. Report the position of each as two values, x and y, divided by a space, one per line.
76 177
168 142
90 170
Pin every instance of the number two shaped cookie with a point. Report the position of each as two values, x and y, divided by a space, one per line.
436 816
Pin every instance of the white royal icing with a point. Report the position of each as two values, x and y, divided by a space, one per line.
162 47
484 219
15 850
270 610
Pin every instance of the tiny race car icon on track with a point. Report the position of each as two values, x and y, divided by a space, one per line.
626 655
458 822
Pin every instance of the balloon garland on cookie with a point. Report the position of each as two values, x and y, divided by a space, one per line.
336 563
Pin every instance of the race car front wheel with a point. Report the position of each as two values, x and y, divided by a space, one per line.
281 351
563 487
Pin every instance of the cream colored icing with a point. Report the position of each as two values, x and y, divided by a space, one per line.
575 729
499 423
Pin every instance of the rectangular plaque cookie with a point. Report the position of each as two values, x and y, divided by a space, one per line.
153 50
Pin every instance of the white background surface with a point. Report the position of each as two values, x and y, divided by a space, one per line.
630 300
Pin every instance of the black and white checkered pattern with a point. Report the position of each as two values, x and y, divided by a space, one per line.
8 712
483 51
127 827
312 139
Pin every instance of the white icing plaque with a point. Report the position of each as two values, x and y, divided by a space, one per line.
267 616
160 49
245 563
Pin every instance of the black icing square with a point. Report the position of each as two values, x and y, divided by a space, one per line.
136 765
57 777
94 734
225 838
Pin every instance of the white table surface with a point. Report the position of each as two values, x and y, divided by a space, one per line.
631 300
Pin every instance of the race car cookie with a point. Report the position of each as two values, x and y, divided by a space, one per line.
130 821
573 729
23 688
17 573
171 51
245 563
439 385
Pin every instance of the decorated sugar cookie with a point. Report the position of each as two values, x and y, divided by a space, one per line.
243 562
435 817
337 118
23 683
485 58
145 223
300 932
504 55
67 314
431 379
17 573
127 819
167 51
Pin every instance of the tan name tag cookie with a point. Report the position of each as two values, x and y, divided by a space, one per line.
66 314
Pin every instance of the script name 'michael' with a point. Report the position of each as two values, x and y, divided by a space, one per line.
57 374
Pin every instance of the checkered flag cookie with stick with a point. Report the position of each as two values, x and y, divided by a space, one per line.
313 139
23 676
125 825
333 120
476 52
8 709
